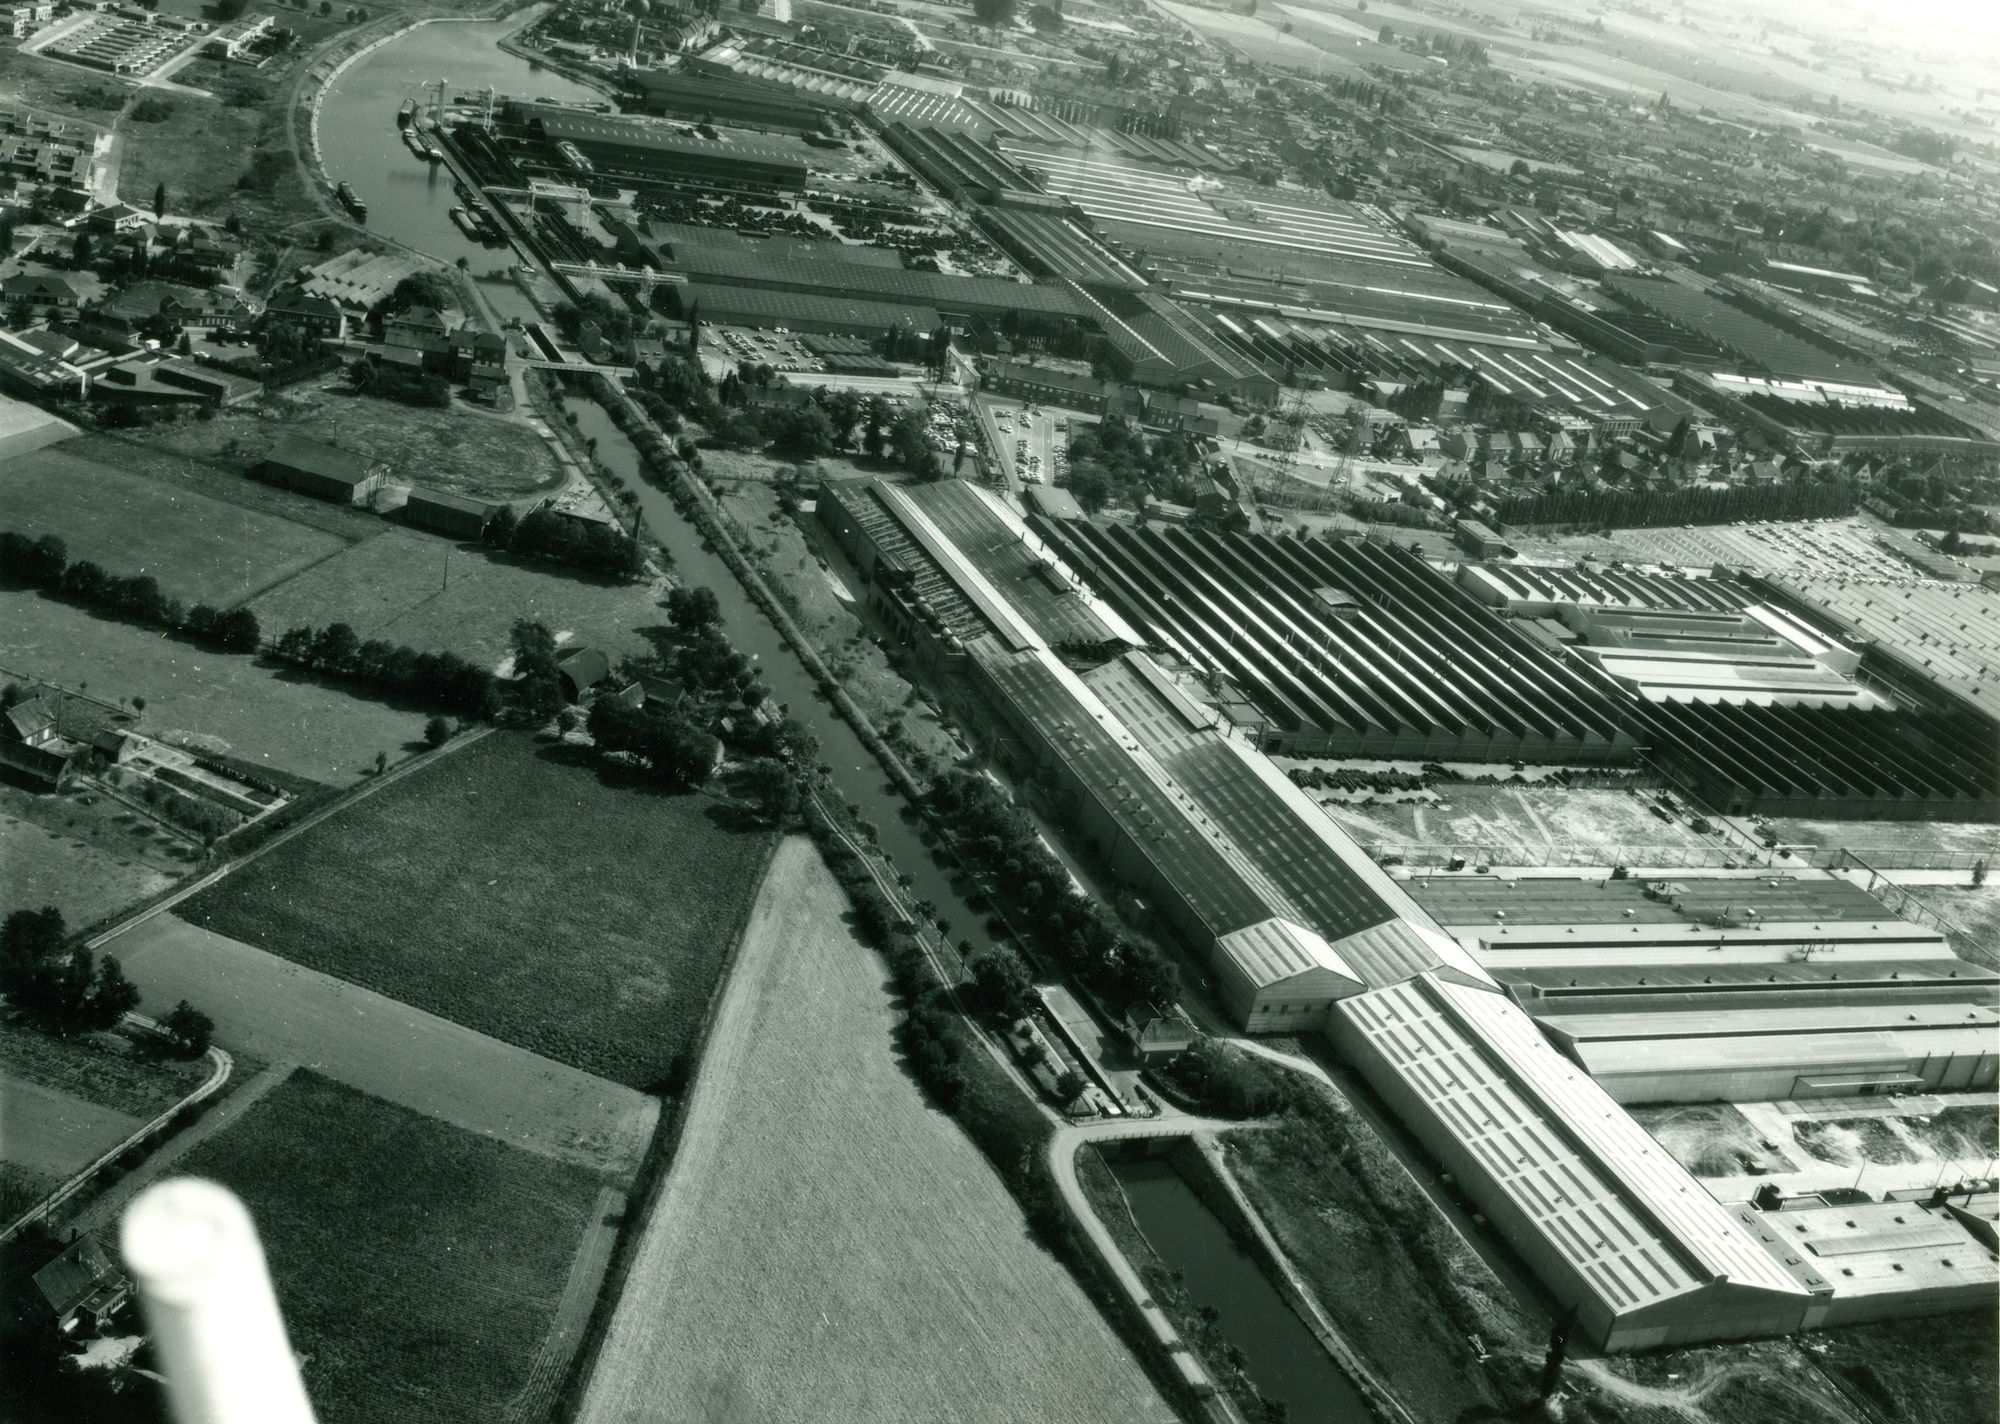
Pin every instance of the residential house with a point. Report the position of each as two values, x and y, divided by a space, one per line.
41 292
582 670
83 1288
32 747
308 312
479 358
1156 1035
116 217
323 471
423 331
148 303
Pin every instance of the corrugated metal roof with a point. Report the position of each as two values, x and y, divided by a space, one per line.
1805 1053
1788 1021
1277 950
1601 1193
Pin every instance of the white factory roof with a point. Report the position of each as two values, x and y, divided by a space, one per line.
1758 1022
1894 1247
1812 1054
1503 946
1628 1217
1278 951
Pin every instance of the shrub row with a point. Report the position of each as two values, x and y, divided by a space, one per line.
136 598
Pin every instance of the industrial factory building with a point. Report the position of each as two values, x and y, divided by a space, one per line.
636 148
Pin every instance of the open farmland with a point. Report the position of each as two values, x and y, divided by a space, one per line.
464 451
419 1266
263 714
200 549
513 891
830 1248
426 592
45 867
282 1013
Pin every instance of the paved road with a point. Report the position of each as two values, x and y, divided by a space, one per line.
46 1130
280 1011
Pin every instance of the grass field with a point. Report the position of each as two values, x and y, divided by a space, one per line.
518 894
1976 912
281 1013
59 88
395 587
418 1265
263 713
828 1247
135 456
1909 837
200 549
1944 1370
1711 1139
205 145
466 451
45 867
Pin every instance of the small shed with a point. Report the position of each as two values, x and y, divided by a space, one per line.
455 515
83 1287
582 670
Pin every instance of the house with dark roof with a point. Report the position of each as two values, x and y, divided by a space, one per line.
479 358
41 291
33 749
308 312
323 471
83 1288
148 379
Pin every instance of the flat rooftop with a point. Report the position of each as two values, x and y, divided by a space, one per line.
1458 900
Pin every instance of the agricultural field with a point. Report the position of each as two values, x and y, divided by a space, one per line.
201 550
45 866
67 1100
281 1013
428 592
254 711
419 1266
1252 38
830 1248
521 890
460 450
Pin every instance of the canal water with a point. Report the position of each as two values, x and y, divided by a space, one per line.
1284 1358
409 199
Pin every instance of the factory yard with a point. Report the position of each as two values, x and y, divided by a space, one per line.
830 1248
552 905
1515 825
431 593
420 1267
200 550
1819 548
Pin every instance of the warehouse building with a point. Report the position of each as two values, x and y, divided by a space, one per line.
456 516
638 149
323 471
801 311
987 297
734 99
1889 1259
1775 1054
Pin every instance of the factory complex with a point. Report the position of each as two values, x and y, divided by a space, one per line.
1505 1024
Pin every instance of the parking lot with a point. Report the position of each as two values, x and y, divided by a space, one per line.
779 349
1030 441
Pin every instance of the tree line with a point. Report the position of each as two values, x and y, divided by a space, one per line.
554 538
44 564
443 680
1652 509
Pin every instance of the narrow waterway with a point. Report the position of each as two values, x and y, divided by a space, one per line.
856 775
408 198
1284 1358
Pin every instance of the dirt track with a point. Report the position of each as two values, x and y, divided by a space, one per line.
827 1247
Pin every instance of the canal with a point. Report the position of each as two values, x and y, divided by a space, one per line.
857 777
409 199
1284 1358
